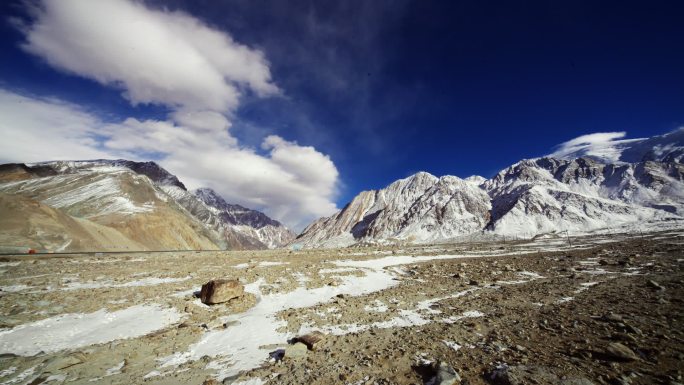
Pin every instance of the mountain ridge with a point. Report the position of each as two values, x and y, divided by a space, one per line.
128 196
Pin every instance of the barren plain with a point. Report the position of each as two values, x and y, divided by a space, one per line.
594 310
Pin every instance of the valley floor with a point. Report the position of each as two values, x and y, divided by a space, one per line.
593 310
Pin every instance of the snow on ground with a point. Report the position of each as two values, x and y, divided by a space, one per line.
337 270
23 376
6 264
452 344
237 347
585 286
376 306
68 331
269 263
13 288
530 274
151 281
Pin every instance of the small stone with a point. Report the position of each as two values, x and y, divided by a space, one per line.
612 317
296 351
210 381
655 285
221 290
620 352
445 375
474 282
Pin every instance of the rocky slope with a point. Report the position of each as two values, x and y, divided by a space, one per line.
531 197
236 227
421 207
144 205
546 195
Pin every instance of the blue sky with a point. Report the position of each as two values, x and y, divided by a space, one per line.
351 95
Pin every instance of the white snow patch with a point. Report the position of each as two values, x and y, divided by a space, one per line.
185 293
376 306
241 266
154 373
585 286
151 281
468 314
21 377
452 345
270 263
530 274
565 299
337 270
8 371
68 331
251 381
115 369
55 377
14 288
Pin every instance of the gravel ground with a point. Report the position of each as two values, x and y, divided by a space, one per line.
604 310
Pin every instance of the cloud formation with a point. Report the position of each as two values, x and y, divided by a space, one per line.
604 146
168 58
174 60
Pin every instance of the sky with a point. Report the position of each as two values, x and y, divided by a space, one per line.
295 107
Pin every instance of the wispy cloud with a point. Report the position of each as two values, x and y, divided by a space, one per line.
605 146
177 61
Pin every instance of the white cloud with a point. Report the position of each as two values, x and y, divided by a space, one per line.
175 60
604 146
167 58
35 130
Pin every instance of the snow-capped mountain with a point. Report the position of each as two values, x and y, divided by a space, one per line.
419 208
239 227
551 195
531 197
120 198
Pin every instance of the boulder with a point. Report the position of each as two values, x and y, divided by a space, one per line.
296 351
311 340
221 290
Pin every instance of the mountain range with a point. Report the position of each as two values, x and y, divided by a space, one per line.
637 183
118 205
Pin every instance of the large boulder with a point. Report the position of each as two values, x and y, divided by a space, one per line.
311 340
221 290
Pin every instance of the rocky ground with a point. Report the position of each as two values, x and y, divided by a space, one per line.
594 310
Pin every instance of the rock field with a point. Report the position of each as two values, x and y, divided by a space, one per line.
593 310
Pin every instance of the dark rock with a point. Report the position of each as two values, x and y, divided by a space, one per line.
311 340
